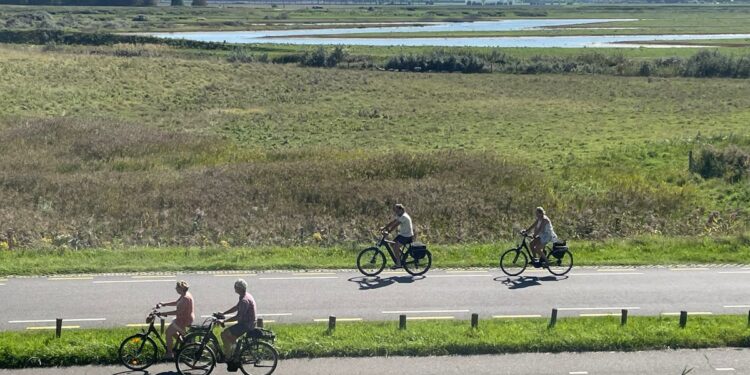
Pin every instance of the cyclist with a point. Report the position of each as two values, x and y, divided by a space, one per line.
245 319
544 233
405 231
184 315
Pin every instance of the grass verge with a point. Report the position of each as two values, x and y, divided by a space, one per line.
362 339
637 251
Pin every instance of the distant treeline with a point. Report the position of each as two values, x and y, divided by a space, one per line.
99 39
114 3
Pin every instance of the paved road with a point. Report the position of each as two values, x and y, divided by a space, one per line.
118 300
712 361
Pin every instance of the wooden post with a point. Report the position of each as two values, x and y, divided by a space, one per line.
402 322
58 327
624 317
161 325
259 324
553 318
474 321
331 323
683 319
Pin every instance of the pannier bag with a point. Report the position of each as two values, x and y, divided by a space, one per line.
559 248
418 250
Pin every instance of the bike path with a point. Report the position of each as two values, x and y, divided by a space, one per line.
698 362
286 297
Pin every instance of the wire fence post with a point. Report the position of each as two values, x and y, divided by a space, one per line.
553 318
58 327
683 319
624 317
161 325
402 322
474 321
331 323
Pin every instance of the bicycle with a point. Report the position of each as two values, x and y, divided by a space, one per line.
416 259
202 351
139 351
559 258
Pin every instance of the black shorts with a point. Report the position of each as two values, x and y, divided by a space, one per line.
238 330
403 240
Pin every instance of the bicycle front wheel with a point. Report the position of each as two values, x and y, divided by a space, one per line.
414 266
195 359
513 262
258 358
196 336
137 352
371 261
559 262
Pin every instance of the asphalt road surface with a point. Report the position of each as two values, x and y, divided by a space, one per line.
125 299
697 362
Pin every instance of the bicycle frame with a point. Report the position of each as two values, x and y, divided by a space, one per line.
387 244
526 246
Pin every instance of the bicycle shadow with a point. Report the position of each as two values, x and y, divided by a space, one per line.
527 281
145 372
376 282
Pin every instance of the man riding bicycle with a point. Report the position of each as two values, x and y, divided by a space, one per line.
245 319
405 231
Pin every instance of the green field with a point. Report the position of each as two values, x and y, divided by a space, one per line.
364 339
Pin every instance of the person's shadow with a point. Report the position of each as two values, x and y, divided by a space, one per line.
145 372
526 281
376 282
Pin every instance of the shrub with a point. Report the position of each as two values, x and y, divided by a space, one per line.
731 163
200 3
177 3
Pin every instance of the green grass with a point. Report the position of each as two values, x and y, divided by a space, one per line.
78 347
638 251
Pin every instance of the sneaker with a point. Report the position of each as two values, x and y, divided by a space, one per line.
396 267
233 366
535 263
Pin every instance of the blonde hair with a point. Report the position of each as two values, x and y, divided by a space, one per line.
540 209
183 284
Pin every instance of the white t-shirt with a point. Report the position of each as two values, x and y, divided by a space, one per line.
404 226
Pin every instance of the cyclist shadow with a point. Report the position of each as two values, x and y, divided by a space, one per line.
376 282
527 281
146 372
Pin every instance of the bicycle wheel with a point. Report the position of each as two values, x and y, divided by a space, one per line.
197 336
258 358
416 267
559 263
138 352
194 360
513 262
371 261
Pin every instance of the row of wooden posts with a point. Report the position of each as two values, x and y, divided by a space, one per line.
402 321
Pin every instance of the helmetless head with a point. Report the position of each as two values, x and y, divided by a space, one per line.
240 286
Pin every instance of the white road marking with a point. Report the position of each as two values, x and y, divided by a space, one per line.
299 278
515 316
724 369
689 313
236 275
1 284
424 311
616 270
278 314
442 276
313 273
137 325
688 269
394 273
737 306
430 317
597 315
155 277
578 373
134 281
735 272
53 327
607 274
597 308
339 320
466 271
54 320
69 278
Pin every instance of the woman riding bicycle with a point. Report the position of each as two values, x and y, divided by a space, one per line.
184 315
544 233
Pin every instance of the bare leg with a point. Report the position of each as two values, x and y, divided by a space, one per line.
172 331
397 253
228 339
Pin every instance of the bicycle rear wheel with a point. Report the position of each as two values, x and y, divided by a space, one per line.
414 266
195 360
137 352
559 262
258 358
513 262
371 261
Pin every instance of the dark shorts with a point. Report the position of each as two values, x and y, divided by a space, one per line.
238 330
403 240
